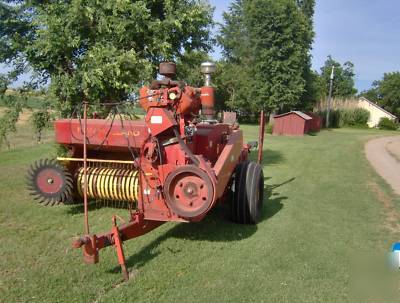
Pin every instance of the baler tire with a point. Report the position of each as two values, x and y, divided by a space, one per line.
246 205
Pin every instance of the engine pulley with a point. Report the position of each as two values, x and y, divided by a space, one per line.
189 191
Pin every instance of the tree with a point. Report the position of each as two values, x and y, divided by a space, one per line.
233 87
371 94
41 120
309 97
99 51
4 82
232 79
234 35
280 40
389 92
9 118
386 92
307 6
188 67
343 84
266 53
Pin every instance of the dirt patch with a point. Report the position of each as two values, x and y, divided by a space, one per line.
23 117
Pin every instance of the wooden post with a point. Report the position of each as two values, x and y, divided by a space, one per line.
261 137
327 124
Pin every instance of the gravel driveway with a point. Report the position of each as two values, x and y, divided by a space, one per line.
384 156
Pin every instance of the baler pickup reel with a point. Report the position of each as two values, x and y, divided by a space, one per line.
174 165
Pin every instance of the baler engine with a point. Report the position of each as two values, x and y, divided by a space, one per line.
176 164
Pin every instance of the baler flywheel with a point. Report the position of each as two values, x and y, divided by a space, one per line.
49 182
189 191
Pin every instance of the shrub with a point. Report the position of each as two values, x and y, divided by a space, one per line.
387 124
361 116
247 117
9 118
269 128
334 118
41 120
346 117
353 117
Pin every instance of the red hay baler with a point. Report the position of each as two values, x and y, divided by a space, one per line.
174 165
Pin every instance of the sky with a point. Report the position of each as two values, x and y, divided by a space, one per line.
365 32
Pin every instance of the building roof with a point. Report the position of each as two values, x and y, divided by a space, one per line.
377 106
300 114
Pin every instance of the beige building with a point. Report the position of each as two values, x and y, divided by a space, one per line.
376 112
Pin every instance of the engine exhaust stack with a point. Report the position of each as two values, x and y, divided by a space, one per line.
207 69
207 91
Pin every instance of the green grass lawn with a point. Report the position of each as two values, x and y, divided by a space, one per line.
324 203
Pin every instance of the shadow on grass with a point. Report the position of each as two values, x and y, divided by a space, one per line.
212 228
270 188
270 157
77 208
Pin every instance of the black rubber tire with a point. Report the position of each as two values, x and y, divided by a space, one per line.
248 193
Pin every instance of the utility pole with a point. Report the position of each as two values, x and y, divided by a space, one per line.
330 97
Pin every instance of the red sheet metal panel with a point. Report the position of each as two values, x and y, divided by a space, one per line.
227 161
291 124
102 132
207 140
315 123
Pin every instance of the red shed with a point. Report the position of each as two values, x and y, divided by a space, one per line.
316 122
294 123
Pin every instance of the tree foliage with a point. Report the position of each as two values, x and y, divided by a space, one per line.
41 119
343 83
266 53
9 118
308 7
386 92
233 88
188 67
309 96
371 94
279 41
234 36
99 51
387 124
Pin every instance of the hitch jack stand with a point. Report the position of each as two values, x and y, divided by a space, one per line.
120 250
92 244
